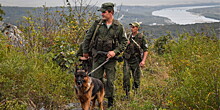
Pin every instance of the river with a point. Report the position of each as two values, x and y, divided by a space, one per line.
180 15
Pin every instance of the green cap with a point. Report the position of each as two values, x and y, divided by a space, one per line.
106 6
136 24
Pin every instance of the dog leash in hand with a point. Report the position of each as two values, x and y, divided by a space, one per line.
99 66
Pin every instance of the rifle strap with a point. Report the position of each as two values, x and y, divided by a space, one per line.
139 47
139 36
136 43
96 29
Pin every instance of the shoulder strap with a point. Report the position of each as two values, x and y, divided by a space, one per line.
93 36
136 43
139 38
96 29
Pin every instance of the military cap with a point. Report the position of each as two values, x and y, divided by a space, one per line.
106 6
136 24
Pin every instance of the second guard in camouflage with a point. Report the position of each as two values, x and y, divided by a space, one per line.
134 57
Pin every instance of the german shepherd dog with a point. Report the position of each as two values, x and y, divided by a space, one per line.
88 89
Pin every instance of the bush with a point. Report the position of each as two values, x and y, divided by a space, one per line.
195 68
32 80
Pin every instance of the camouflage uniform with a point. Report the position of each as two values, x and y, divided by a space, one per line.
132 58
106 39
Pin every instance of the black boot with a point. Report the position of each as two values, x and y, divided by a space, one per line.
110 102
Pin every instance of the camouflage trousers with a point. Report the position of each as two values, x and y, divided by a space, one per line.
109 69
128 68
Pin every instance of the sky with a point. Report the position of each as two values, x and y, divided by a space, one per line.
49 3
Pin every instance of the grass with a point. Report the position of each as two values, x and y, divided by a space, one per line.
185 76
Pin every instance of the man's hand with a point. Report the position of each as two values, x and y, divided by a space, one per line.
83 58
142 63
129 42
86 55
111 54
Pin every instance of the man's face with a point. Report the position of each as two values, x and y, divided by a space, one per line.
106 15
134 29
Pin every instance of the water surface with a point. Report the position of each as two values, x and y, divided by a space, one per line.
180 15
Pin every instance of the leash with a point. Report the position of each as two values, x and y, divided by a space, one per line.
99 66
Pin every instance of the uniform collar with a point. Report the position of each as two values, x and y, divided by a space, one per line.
135 35
114 22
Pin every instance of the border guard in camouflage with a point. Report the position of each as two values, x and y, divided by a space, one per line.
106 35
134 57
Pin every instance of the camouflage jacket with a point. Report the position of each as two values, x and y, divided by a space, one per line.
107 39
132 49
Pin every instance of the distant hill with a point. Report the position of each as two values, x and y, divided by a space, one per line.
211 12
126 13
14 14
129 14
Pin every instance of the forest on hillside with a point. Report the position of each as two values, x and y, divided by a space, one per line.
206 28
37 67
211 12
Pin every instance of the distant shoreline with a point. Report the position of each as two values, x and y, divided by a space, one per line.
181 15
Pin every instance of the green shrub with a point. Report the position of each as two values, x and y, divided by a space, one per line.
32 80
195 68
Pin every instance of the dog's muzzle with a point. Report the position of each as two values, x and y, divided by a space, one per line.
79 82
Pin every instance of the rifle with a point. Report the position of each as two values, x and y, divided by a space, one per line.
93 36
